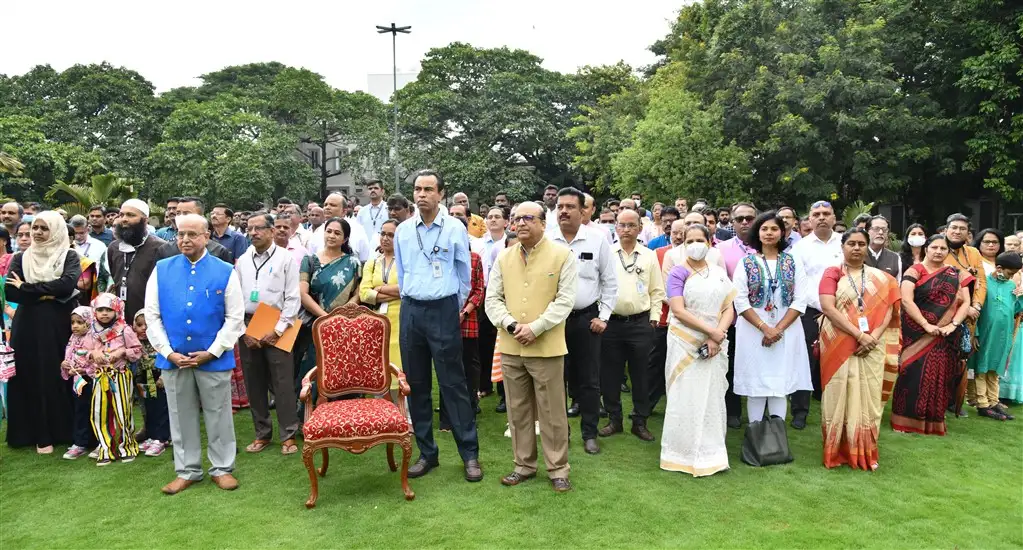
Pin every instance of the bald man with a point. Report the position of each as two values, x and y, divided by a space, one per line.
477 227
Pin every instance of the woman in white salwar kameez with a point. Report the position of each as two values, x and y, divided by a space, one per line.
771 361
700 296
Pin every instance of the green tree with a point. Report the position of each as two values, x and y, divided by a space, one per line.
44 162
106 190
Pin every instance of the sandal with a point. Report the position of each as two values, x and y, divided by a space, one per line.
257 446
289 447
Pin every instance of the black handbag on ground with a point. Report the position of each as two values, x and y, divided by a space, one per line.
766 443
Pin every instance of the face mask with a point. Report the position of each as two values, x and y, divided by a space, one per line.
609 227
697 251
916 240
954 245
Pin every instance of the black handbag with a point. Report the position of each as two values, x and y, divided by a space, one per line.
766 443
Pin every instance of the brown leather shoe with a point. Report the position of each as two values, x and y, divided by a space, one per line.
591 446
640 431
473 471
421 468
611 428
179 484
515 478
561 485
226 482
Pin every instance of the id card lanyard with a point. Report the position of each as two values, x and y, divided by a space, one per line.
772 284
123 291
864 324
434 262
254 295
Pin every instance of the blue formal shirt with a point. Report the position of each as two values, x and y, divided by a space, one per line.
106 236
168 233
446 241
233 241
658 242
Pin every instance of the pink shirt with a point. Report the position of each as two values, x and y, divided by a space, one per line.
129 341
733 250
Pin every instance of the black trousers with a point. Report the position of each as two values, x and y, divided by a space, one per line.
811 328
626 341
733 403
157 416
430 339
83 434
471 367
485 346
582 368
655 378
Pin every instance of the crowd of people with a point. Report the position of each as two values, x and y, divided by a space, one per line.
557 305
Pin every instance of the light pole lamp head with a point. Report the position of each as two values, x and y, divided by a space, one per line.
394 29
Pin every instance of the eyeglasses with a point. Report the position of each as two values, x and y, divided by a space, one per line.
528 218
387 234
743 219
628 225
990 242
253 228
881 230
190 235
821 204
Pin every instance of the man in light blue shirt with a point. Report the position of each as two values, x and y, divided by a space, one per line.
432 253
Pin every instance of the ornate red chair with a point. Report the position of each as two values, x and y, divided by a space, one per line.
352 358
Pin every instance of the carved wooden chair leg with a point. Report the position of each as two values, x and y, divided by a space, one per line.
390 458
326 461
406 456
314 489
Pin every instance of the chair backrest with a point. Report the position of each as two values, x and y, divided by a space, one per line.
352 344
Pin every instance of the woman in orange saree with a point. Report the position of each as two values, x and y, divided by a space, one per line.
935 300
859 342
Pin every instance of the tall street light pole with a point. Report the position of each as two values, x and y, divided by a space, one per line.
394 30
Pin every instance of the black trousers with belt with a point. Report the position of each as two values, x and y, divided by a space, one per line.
655 378
811 329
626 340
582 367
432 339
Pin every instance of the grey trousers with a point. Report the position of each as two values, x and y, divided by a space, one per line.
268 368
187 389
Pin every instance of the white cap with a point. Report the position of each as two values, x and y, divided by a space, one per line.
137 204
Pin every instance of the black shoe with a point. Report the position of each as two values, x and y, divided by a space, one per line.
734 422
421 468
799 421
477 409
445 427
991 412
573 411
502 407
611 428
625 387
1000 407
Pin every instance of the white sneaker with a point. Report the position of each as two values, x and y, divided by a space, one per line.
144 446
94 453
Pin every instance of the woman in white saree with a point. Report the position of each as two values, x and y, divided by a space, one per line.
700 296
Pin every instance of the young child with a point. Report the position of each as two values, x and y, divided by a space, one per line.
154 398
116 346
77 366
994 332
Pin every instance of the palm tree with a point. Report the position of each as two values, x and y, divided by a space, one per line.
105 190
855 209
10 165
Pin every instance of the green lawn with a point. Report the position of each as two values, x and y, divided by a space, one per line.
964 490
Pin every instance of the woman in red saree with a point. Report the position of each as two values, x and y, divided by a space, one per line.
935 300
858 363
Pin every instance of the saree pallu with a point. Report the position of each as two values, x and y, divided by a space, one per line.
239 397
930 366
857 388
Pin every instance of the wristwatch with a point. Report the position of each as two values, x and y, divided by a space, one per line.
511 327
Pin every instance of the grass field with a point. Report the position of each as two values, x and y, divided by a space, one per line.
964 490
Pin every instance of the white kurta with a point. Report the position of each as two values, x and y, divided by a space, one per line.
784 367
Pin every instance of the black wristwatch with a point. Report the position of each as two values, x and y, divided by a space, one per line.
511 328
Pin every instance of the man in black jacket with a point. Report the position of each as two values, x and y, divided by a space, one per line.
132 256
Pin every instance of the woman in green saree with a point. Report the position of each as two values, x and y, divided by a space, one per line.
330 278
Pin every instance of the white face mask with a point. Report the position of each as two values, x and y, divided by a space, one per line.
916 240
610 227
697 251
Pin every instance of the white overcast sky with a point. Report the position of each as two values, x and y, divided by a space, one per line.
172 43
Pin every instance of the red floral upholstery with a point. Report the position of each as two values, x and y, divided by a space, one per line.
352 346
355 418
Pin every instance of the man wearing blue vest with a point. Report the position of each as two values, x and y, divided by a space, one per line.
195 315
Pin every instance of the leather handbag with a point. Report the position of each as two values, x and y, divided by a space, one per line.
766 443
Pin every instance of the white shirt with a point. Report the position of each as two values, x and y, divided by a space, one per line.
488 249
372 217
357 240
227 336
303 235
815 256
598 280
95 250
275 284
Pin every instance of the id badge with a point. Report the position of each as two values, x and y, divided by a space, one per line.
254 296
437 272
864 325
640 287
123 292
970 374
383 308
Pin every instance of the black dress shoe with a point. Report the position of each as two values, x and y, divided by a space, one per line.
502 407
640 431
473 471
591 446
625 387
610 429
421 468
515 478
799 421
573 411
561 485
734 422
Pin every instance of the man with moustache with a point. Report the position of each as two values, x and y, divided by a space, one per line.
791 219
880 257
966 258
98 225
816 252
668 216
11 214
133 256
373 215
194 205
168 230
550 201
501 199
